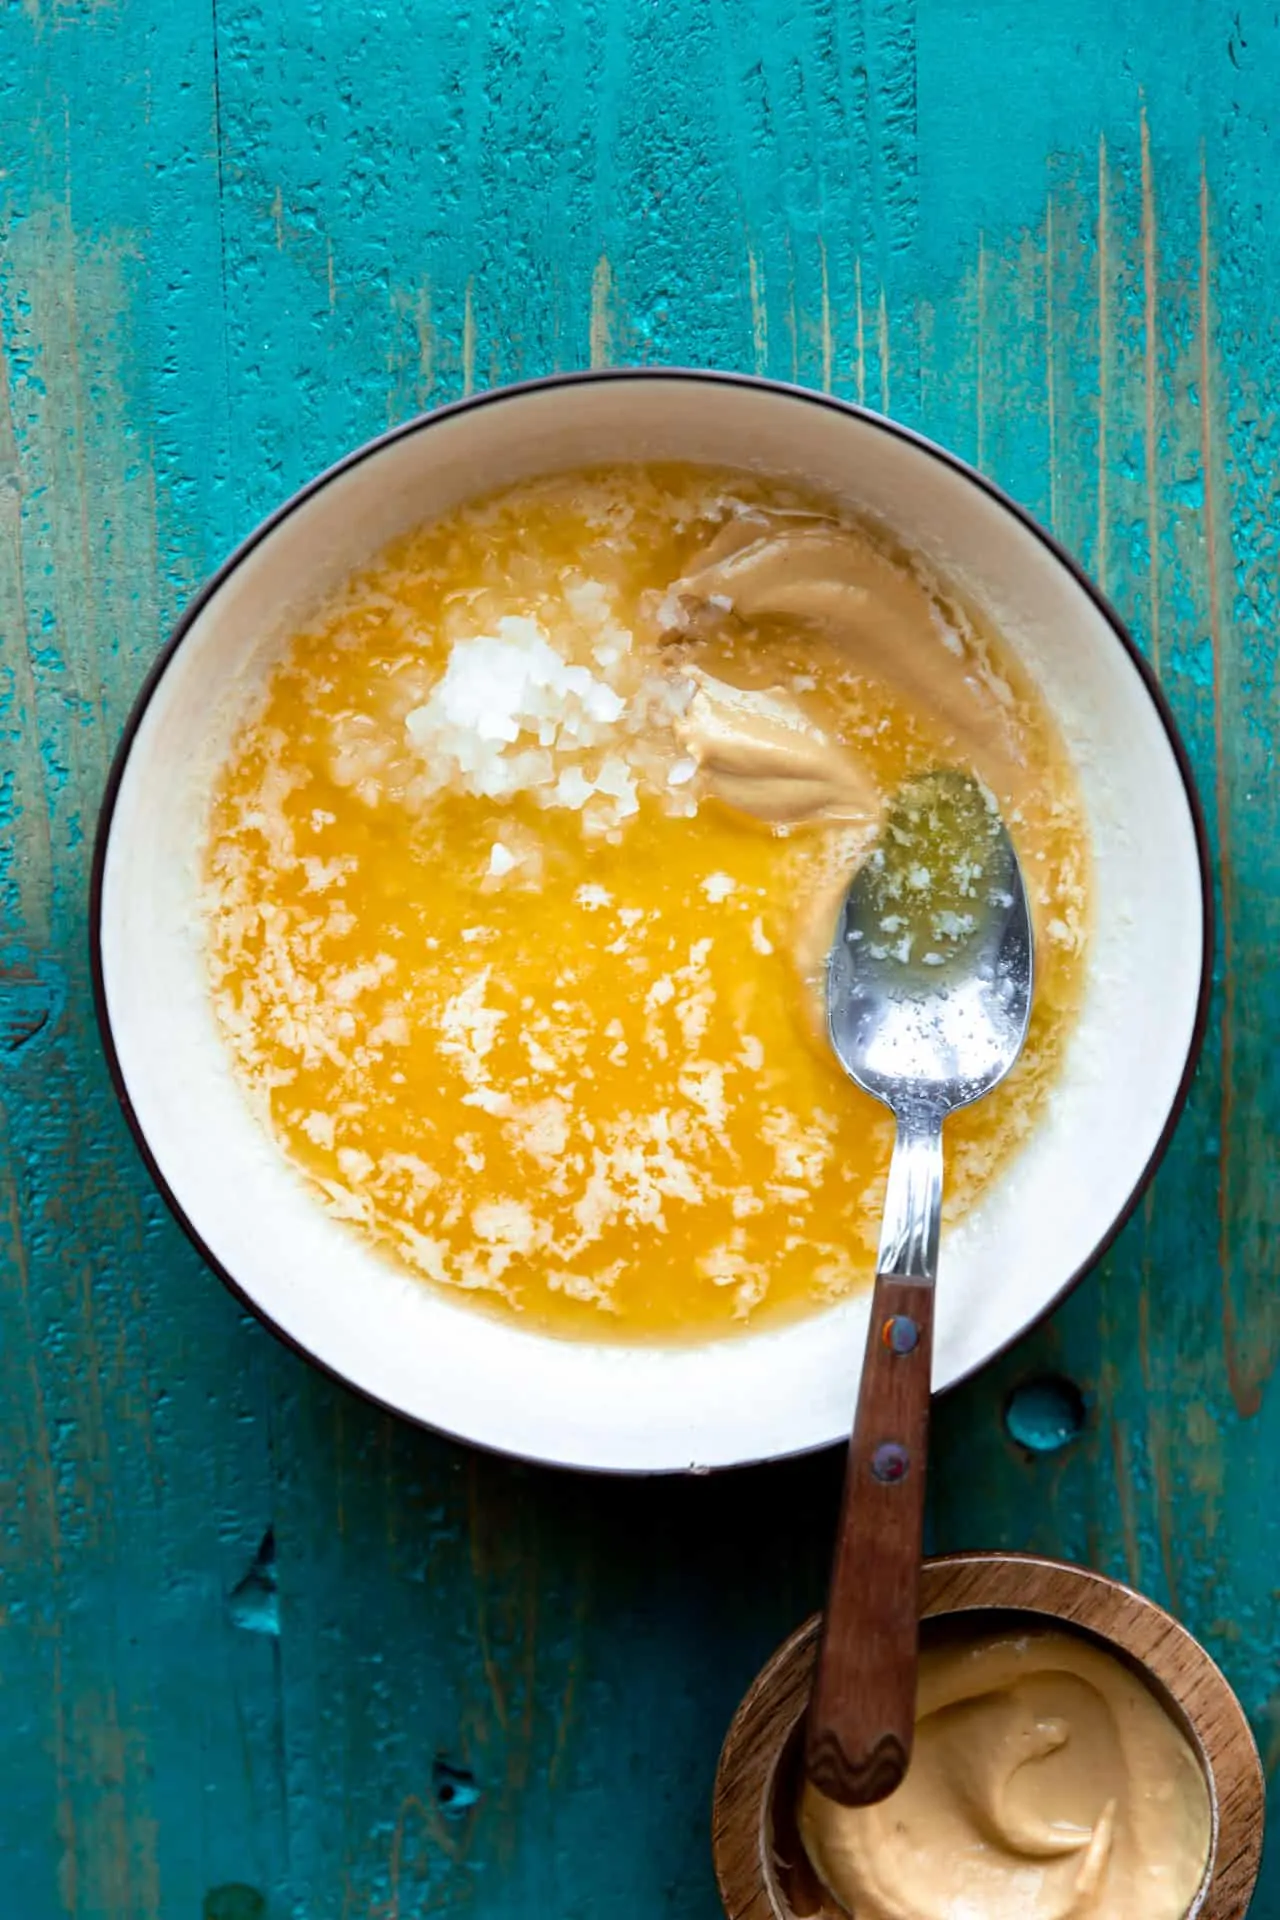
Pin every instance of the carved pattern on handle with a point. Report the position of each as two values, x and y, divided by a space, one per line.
856 1785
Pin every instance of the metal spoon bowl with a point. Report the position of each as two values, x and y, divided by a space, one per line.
929 986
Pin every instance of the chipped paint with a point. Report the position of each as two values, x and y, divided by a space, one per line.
601 321
1150 380
759 314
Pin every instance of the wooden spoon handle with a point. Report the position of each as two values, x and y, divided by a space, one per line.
862 1714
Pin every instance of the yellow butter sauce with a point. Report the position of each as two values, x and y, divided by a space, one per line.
553 1047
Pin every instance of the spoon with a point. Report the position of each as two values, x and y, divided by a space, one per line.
928 998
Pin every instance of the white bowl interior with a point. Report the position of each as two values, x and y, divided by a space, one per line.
608 1406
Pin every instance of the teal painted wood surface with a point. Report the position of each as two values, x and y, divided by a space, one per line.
263 1652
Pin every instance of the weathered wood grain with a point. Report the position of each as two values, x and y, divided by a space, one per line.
236 239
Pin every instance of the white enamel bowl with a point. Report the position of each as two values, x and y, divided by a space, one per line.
646 1409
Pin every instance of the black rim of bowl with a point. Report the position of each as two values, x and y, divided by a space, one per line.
422 423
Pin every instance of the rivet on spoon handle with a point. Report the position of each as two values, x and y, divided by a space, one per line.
862 1713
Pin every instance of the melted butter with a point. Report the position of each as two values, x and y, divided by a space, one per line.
1047 1783
559 1049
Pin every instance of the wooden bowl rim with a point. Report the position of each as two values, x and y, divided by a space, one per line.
958 1583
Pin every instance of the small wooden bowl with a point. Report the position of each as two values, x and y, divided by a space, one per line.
760 1863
